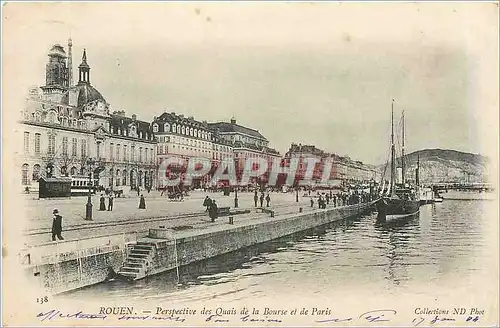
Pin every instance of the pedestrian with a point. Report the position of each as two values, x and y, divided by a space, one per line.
110 202
56 225
312 202
262 200
212 212
334 201
207 203
142 203
321 201
102 205
138 190
255 198
268 199
327 199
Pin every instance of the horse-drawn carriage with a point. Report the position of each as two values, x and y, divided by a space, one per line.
173 193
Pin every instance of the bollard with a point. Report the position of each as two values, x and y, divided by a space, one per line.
231 221
300 209
272 214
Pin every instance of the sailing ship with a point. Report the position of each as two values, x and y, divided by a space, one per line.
401 202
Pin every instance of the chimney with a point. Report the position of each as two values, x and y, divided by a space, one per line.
233 121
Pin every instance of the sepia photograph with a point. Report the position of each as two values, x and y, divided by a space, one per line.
230 164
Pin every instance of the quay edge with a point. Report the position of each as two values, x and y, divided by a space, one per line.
76 270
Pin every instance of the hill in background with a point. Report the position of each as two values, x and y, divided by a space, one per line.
444 165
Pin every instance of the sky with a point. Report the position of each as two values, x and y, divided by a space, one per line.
310 73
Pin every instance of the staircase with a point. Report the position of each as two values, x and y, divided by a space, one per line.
138 261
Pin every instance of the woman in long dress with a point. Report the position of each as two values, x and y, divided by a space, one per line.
102 206
142 203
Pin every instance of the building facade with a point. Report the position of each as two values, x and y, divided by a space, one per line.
186 138
247 143
68 131
343 169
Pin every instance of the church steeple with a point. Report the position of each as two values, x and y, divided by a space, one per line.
84 70
70 63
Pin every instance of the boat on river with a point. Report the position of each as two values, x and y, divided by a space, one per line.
402 201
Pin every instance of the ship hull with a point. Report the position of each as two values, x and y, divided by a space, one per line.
393 209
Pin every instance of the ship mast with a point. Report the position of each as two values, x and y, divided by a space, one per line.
403 154
417 172
393 151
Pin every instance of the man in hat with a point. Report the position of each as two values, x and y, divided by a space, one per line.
56 225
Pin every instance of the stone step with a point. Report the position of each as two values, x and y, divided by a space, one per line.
133 264
136 259
138 256
139 251
144 243
143 247
128 274
130 269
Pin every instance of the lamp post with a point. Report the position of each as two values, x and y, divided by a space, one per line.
88 206
297 195
236 187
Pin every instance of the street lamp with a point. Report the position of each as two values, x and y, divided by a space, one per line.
236 187
297 195
88 206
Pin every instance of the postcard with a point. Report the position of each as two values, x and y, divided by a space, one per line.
232 164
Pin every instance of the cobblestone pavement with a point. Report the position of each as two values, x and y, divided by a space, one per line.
126 217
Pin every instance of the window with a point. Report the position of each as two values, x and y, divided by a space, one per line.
24 174
166 128
84 148
191 132
37 143
73 147
132 153
73 171
111 151
52 117
98 150
155 127
183 130
124 177
26 142
125 155
160 149
118 152
146 155
36 172
65 146
140 154
178 129
52 144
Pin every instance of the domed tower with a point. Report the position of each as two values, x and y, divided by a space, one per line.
56 74
93 105
84 70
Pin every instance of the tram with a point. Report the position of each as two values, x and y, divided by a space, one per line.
80 186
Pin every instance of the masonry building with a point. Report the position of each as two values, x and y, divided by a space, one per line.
69 131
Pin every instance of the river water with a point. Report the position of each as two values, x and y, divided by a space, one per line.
445 244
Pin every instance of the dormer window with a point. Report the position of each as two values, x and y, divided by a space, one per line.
155 127
140 134
166 127
178 129
191 132
183 130
119 131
